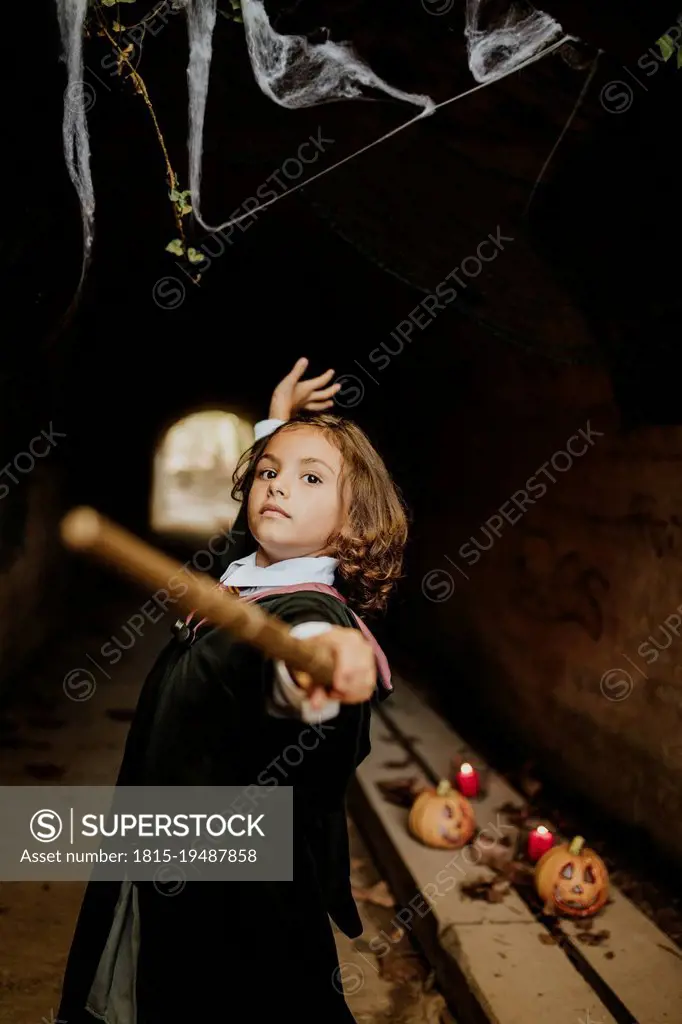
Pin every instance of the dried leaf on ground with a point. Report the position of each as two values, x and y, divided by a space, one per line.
495 856
492 891
520 874
379 895
402 967
593 938
400 791
407 760
516 814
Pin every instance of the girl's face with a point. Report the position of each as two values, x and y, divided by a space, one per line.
296 501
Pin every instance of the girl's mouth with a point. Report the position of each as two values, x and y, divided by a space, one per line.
274 512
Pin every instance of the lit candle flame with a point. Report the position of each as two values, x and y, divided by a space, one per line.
466 768
542 830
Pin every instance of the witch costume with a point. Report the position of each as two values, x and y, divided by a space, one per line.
216 712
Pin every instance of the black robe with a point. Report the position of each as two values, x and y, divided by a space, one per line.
235 951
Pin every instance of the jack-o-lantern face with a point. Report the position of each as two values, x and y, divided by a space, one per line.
578 887
572 879
442 818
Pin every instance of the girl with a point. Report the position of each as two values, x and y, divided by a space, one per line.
318 508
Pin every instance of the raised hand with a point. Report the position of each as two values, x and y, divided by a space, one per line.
293 394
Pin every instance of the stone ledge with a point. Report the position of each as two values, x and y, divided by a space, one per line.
490 961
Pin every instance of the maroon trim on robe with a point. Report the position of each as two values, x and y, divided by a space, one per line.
323 588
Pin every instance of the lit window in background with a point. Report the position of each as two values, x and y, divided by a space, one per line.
193 468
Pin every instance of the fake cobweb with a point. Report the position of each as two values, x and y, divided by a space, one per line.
71 15
295 73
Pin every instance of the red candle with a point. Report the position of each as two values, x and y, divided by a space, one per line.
467 780
539 841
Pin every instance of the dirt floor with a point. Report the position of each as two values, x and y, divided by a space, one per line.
69 729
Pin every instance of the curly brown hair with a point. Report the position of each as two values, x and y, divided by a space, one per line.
370 552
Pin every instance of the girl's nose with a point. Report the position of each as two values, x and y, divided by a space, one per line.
277 487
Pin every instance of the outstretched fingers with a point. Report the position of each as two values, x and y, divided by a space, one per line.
320 398
297 371
323 378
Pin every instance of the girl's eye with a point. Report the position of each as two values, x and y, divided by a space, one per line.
311 478
263 473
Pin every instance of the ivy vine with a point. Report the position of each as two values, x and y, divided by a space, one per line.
667 46
99 22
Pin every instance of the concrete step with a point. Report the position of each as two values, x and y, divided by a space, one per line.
494 961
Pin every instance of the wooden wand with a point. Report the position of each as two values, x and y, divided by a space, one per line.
85 530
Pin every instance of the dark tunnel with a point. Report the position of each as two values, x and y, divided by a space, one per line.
531 420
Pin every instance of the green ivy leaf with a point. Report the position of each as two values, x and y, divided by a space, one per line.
176 247
195 257
181 199
666 46
233 15
679 57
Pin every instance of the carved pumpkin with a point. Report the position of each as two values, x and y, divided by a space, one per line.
572 879
442 818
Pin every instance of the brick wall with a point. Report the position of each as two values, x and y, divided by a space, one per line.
573 610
